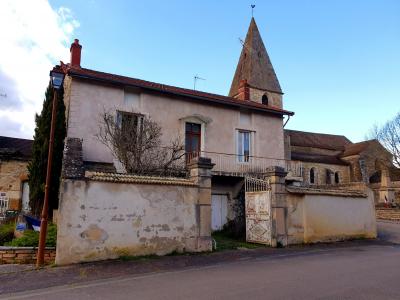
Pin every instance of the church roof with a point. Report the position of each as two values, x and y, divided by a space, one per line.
254 65
317 140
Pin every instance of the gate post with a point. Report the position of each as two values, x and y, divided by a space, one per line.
276 177
200 174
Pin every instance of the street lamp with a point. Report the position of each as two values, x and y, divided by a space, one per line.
57 79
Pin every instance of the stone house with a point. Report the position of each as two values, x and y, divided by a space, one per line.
333 160
244 168
15 154
242 133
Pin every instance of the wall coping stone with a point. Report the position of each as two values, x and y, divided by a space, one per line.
2 248
332 192
127 178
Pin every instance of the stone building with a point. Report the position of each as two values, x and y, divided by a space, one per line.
334 160
14 157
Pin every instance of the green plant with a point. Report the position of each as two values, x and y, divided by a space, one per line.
225 241
31 238
6 233
38 164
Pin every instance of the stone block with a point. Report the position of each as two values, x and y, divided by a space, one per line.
204 244
204 196
205 220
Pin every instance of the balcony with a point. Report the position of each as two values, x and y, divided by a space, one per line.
239 165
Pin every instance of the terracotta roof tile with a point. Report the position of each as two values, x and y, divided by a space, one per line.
357 148
316 158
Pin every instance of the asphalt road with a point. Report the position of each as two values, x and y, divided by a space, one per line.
369 271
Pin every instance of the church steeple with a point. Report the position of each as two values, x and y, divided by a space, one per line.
255 71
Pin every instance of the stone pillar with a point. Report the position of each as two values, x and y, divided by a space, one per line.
386 192
276 177
72 159
200 174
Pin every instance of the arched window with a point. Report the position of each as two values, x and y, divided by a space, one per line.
337 178
312 175
264 99
328 176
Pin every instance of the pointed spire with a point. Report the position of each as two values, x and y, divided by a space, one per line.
254 65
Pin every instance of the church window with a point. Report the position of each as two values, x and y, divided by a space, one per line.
312 175
337 178
264 99
328 176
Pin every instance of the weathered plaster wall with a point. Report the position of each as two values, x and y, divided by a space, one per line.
87 101
322 218
103 220
12 174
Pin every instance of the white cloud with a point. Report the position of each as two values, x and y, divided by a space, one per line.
34 37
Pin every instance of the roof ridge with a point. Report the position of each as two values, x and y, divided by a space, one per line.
294 130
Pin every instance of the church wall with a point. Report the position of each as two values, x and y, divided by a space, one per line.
344 172
88 101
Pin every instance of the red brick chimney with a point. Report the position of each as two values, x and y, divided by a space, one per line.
75 53
243 91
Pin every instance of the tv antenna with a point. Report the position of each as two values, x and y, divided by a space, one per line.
252 9
195 78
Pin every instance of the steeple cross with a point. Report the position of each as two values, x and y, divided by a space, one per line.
252 9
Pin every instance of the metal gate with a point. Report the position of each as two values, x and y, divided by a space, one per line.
258 210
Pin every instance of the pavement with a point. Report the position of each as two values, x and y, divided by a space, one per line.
362 269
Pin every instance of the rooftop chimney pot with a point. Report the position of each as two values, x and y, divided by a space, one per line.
75 50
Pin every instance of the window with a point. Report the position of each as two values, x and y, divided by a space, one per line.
243 149
130 124
264 100
328 176
337 178
312 175
192 138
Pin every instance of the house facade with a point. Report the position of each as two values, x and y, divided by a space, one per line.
15 155
242 133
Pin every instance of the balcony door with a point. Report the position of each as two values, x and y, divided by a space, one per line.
192 139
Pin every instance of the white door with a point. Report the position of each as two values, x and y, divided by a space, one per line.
25 196
219 211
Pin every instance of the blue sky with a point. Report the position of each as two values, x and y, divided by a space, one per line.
337 61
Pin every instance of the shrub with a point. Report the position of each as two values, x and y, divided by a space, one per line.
31 238
6 233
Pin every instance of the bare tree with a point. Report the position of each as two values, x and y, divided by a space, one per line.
135 141
389 136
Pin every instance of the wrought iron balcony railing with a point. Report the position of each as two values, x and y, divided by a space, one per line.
240 165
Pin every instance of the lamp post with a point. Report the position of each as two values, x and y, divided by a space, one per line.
57 79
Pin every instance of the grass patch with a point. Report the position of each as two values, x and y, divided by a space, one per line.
31 238
226 242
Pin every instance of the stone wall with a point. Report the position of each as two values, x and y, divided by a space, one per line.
321 215
344 172
25 255
105 215
12 175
